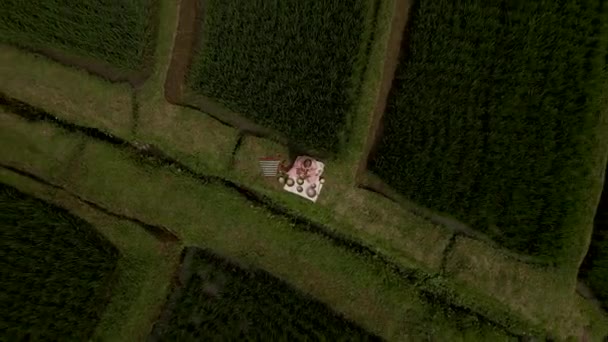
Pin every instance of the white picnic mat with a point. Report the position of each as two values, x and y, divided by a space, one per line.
304 178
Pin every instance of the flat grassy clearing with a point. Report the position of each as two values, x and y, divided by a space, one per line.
221 300
20 148
292 66
469 111
68 93
143 272
117 32
351 211
66 266
343 280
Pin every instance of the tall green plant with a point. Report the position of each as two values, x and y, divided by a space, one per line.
55 270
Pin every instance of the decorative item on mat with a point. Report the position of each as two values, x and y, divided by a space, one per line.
304 179
270 166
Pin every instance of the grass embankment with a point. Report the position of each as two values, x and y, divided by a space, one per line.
196 139
211 216
526 292
294 66
57 270
494 119
221 300
116 32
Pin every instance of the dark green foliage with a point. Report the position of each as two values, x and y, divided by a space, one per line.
284 64
115 31
223 302
594 270
492 119
55 270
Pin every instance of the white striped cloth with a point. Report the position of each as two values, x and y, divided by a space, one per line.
269 166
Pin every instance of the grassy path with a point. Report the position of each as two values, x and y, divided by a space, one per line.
104 179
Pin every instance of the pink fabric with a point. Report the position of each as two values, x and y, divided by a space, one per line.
310 173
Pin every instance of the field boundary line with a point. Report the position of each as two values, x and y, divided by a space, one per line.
188 257
130 251
371 182
178 281
185 45
161 233
100 68
431 284
398 39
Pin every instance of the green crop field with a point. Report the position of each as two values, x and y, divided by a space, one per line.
594 270
115 31
222 301
55 269
291 65
492 117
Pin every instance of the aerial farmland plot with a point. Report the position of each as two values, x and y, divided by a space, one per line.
222 300
291 66
56 270
469 219
494 119
103 36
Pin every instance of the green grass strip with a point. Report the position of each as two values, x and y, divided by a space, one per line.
212 216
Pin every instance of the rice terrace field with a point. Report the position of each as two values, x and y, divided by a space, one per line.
119 33
294 66
56 270
465 146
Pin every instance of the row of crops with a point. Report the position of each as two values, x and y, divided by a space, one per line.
119 32
493 116
292 65
56 271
